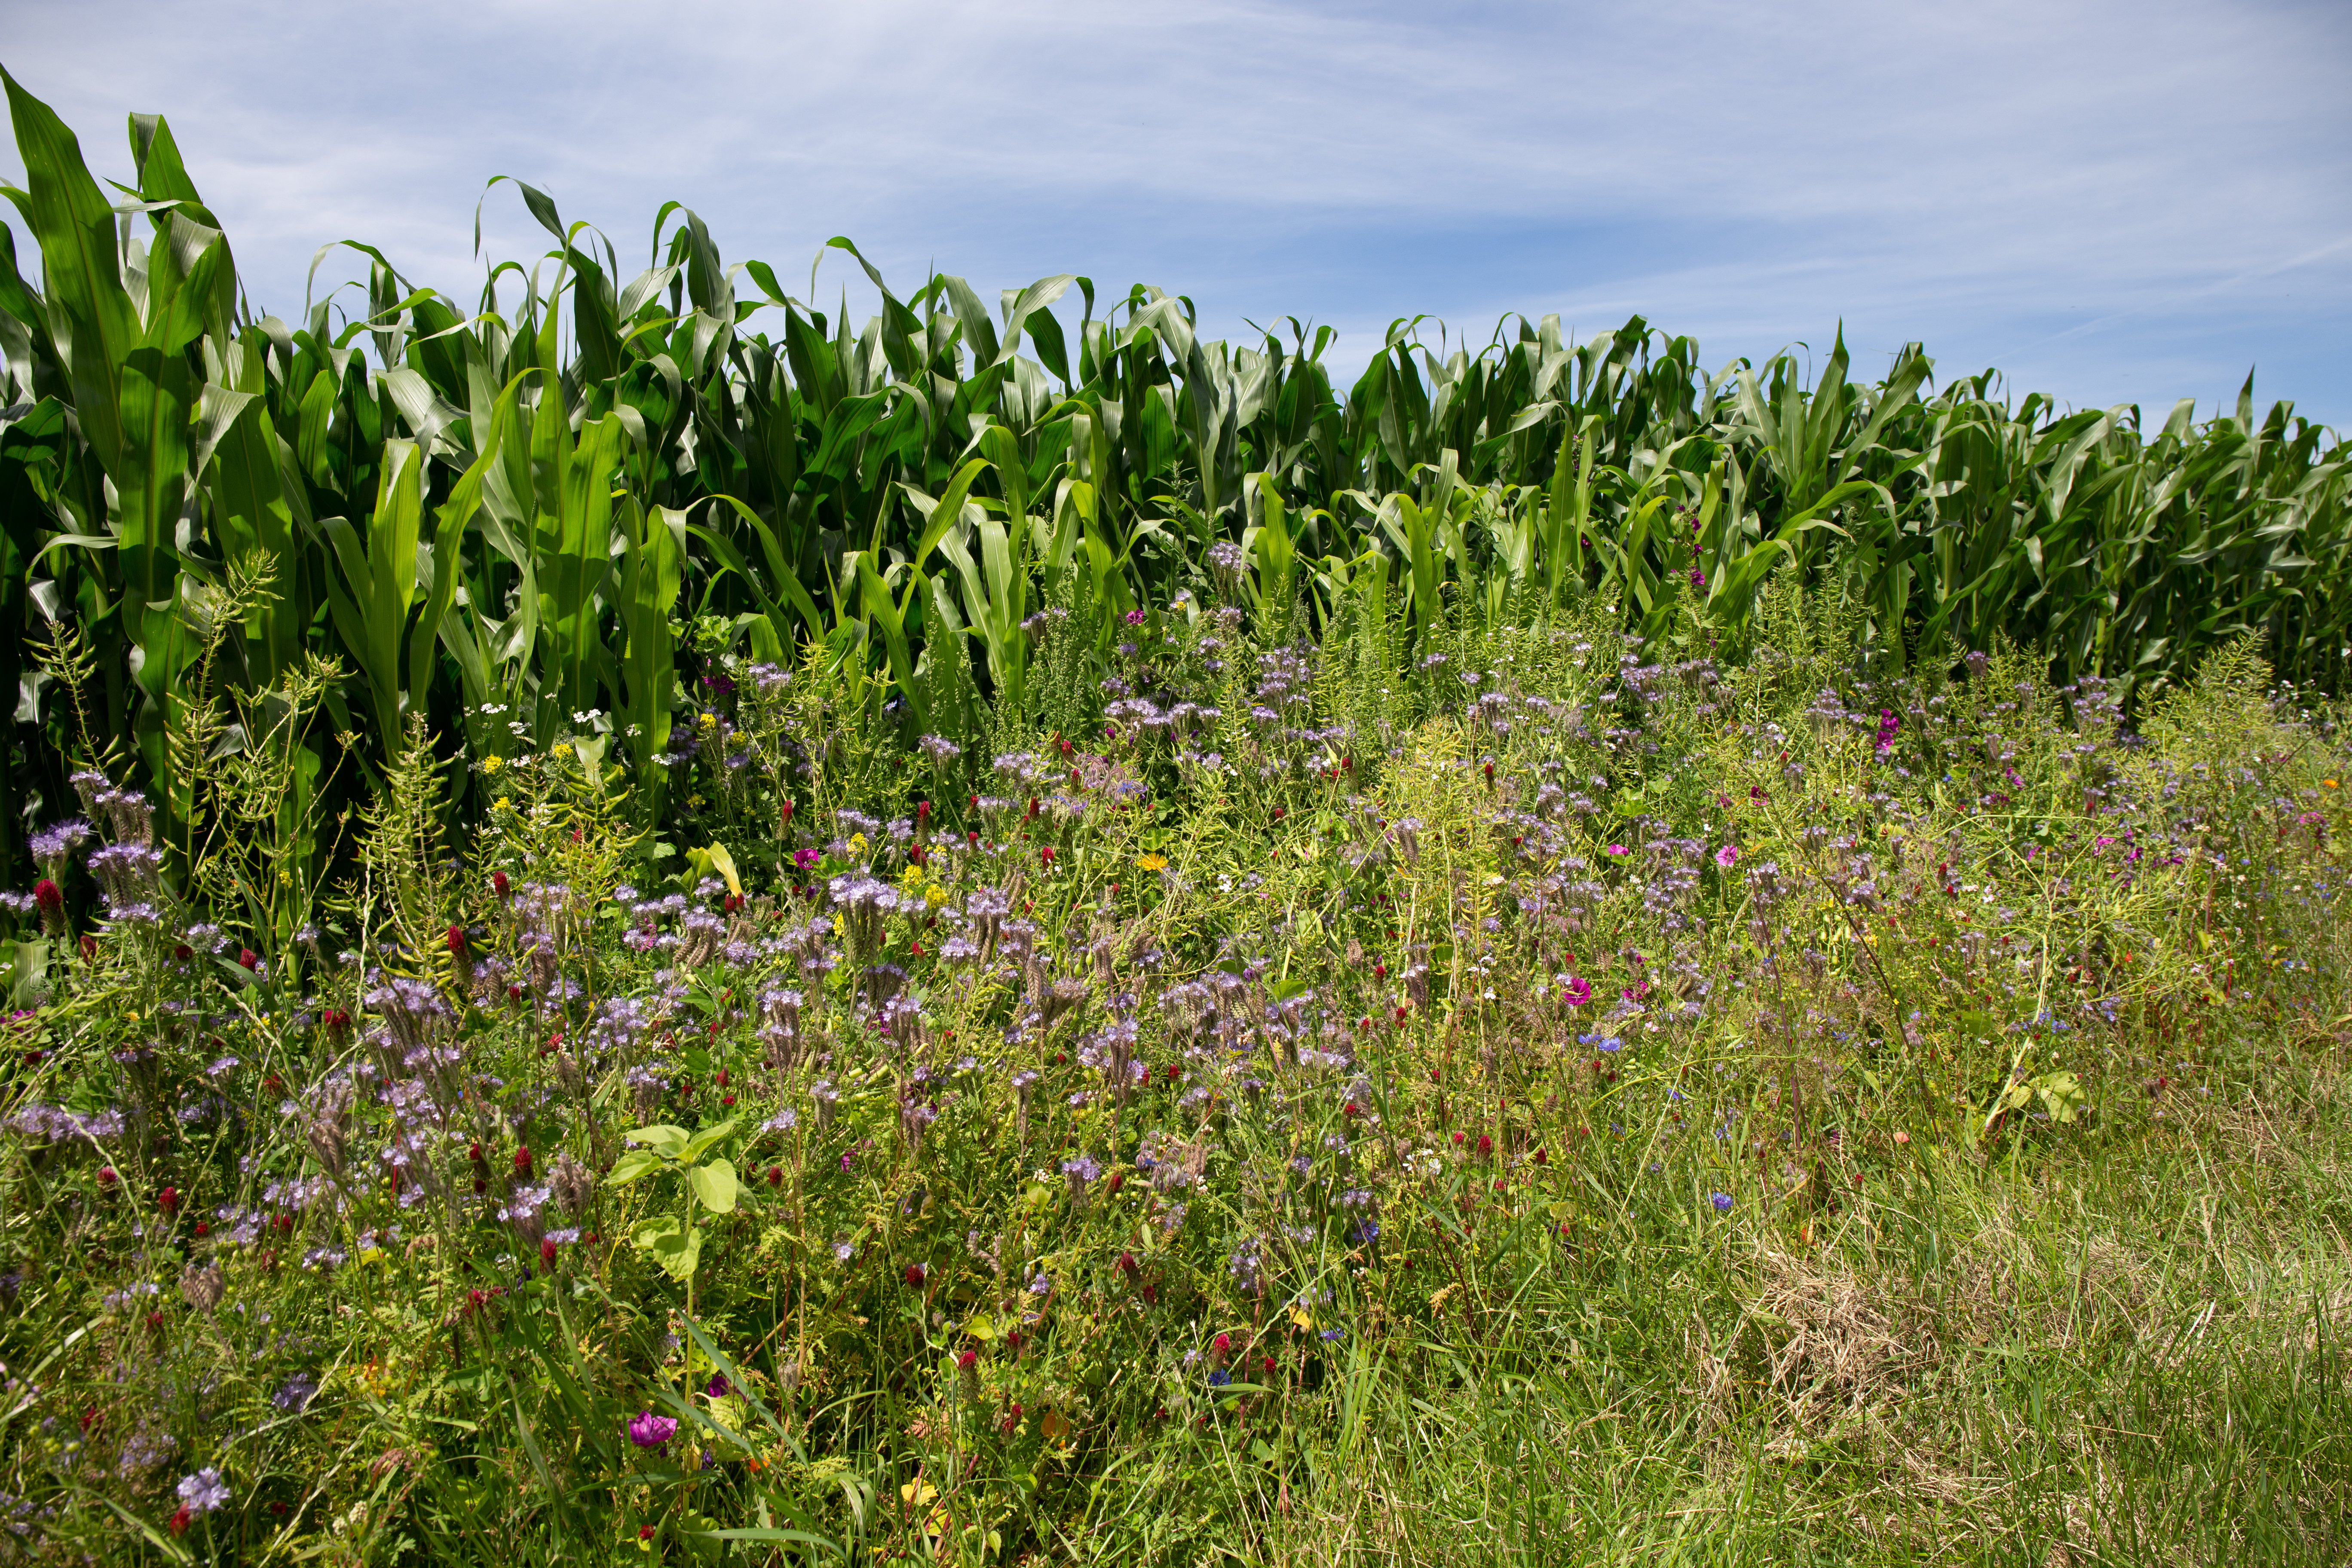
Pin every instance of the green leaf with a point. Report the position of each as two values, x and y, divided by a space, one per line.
670 1140
702 1142
630 1165
715 1186
670 1243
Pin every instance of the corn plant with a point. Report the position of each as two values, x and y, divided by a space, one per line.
502 516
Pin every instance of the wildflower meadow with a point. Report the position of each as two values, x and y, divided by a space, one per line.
1304 999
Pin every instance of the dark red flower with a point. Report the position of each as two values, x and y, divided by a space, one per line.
499 883
522 1160
247 957
168 1200
106 1177
51 902
179 1520
547 1251
915 1275
456 940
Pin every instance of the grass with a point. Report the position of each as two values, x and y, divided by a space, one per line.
1589 1112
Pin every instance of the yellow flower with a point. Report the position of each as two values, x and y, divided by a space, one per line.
839 928
935 895
710 721
560 749
493 762
502 803
1152 862
694 800
857 844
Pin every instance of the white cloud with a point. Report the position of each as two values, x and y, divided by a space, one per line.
2109 200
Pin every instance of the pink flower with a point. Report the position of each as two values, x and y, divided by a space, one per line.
1618 849
1725 856
1577 991
804 858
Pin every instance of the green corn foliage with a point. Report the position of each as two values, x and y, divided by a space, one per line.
501 517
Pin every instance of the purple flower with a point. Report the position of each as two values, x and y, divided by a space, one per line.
1722 1202
1577 991
647 1430
203 1491
717 1387
1725 856
804 858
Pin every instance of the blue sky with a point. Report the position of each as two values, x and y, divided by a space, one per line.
2108 201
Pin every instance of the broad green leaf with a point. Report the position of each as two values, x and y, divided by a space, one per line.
669 1140
709 1138
674 1245
715 1186
630 1165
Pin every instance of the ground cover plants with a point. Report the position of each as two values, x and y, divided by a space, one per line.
1521 1102
825 952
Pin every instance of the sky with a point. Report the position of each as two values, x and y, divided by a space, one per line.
2109 203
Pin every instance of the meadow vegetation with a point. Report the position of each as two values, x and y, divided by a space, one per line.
671 947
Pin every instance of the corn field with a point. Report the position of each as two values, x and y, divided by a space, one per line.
499 523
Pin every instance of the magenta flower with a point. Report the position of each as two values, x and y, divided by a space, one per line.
1618 849
804 858
1577 991
1725 856
647 1430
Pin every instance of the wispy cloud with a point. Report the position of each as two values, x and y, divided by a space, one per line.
2109 201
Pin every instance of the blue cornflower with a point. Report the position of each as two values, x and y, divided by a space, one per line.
1722 1202
1220 1377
